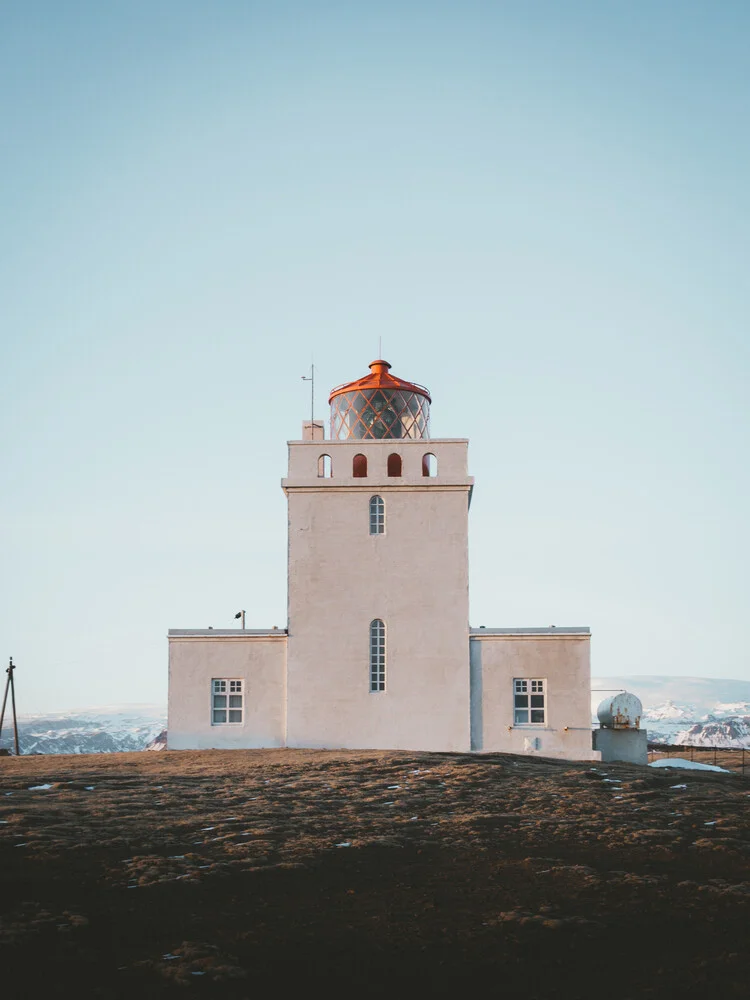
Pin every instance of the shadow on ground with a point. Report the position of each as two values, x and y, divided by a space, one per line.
206 874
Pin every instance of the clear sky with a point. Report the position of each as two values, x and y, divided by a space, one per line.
541 207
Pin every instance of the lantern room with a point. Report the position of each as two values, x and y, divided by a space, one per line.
379 406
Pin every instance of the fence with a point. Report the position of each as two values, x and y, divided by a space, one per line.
731 758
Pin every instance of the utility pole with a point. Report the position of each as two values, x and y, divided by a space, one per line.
10 685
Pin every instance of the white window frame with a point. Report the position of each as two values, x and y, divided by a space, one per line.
377 656
377 515
227 699
529 701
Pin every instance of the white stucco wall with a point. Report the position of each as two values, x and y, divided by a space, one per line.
414 577
562 658
195 658
448 688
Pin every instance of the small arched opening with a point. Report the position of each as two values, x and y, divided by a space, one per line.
324 467
429 465
394 465
359 467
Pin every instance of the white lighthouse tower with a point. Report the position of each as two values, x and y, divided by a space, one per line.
378 607
378 652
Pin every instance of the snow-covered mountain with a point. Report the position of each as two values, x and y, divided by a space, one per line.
671 713
106 729
731 732
696 711
688 711
158 742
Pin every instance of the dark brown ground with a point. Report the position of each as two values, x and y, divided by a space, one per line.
207 874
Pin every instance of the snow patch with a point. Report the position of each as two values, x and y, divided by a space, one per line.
687 765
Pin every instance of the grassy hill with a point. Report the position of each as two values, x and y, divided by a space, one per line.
207 874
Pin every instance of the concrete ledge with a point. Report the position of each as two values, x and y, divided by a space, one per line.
350 485
382 442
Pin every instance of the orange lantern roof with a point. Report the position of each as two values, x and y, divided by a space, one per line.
379 378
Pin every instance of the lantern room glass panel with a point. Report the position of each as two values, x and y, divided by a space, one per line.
379 413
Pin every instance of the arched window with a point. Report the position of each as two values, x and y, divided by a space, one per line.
359 467
394 465
324 466
377 516
429 465
377 655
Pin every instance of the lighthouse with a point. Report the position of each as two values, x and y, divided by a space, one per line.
378 609
378 652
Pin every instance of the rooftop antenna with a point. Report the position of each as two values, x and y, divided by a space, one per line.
10 685
311 379
241 614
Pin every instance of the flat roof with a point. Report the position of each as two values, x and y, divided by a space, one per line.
234 632
542 630
473 632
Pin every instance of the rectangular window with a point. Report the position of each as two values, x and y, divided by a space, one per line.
227 701
529 701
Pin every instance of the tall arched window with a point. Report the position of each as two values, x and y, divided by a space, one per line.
324 467
377 655
429 465
359 467
394 465
377 516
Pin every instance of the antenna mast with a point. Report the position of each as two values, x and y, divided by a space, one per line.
311 379
10 685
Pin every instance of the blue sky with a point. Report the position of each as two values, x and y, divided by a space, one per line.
541 208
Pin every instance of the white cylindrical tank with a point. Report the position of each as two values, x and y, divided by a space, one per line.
621 711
